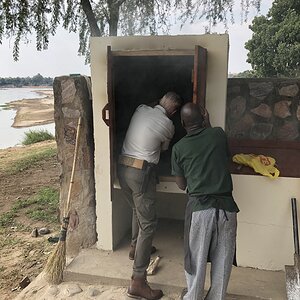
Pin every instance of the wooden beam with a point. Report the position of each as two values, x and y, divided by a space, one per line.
153 53
286 154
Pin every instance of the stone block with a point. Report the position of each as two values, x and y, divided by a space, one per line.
237 107
282 109
263 110
72 99
70 113
298 112
261 131
68 90
260 90
241 128
288 132
289 91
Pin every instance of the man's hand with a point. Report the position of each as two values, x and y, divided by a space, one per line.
181 182
205 114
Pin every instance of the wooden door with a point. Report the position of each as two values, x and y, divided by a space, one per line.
108 113
199 75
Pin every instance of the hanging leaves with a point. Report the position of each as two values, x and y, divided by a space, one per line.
20 18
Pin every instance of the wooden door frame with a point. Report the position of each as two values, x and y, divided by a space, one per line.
199 75
199 86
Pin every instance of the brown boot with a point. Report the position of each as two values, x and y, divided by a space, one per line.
139 288
132 251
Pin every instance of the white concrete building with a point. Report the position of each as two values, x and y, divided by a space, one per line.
134 70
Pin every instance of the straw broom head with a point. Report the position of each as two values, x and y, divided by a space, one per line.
56 263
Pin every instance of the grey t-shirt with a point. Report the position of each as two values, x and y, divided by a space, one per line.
149 132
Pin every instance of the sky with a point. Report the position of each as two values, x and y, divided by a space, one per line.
61 57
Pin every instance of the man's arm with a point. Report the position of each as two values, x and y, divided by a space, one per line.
165 145
168 134
205 114
181 182
177 170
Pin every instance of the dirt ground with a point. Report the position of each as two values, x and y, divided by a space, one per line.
21 254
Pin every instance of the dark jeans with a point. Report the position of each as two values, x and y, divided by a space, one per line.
144 219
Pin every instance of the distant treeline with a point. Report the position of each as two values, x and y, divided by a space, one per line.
36 80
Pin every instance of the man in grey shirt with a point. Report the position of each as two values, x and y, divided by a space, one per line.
150 132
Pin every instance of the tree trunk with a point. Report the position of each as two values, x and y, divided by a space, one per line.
114 9
87 8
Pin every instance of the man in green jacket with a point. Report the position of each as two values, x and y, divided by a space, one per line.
200 163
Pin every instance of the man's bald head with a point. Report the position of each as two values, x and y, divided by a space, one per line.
191 116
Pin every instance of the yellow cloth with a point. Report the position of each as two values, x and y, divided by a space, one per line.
261 164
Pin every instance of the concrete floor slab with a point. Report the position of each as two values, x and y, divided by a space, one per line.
95 266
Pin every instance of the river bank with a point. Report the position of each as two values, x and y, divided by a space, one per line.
32 112
24 109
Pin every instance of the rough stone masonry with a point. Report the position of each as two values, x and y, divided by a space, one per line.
72 98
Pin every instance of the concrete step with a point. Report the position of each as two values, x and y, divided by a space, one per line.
122 282
95 266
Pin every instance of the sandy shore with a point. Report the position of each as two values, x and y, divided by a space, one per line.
32 112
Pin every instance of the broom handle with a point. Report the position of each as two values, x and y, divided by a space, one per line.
67 207
295 226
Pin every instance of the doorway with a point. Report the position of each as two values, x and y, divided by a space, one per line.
144 80
143 77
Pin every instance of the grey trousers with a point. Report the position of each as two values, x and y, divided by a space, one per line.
144 219
207 236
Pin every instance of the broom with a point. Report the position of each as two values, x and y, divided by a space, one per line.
57 260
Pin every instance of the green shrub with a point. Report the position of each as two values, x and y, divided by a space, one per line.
35 136
4 107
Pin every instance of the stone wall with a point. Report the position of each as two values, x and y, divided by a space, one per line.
72 98
263 109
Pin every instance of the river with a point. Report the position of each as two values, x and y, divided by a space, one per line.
10 136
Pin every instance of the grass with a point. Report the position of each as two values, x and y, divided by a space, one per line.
19 159
9 241
7 218
41 207
19 251
35 136
28 161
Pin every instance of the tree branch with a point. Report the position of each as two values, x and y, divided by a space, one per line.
87 8
113 8
120 2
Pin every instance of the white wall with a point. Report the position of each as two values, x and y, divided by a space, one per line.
217 46
265 234
102 153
